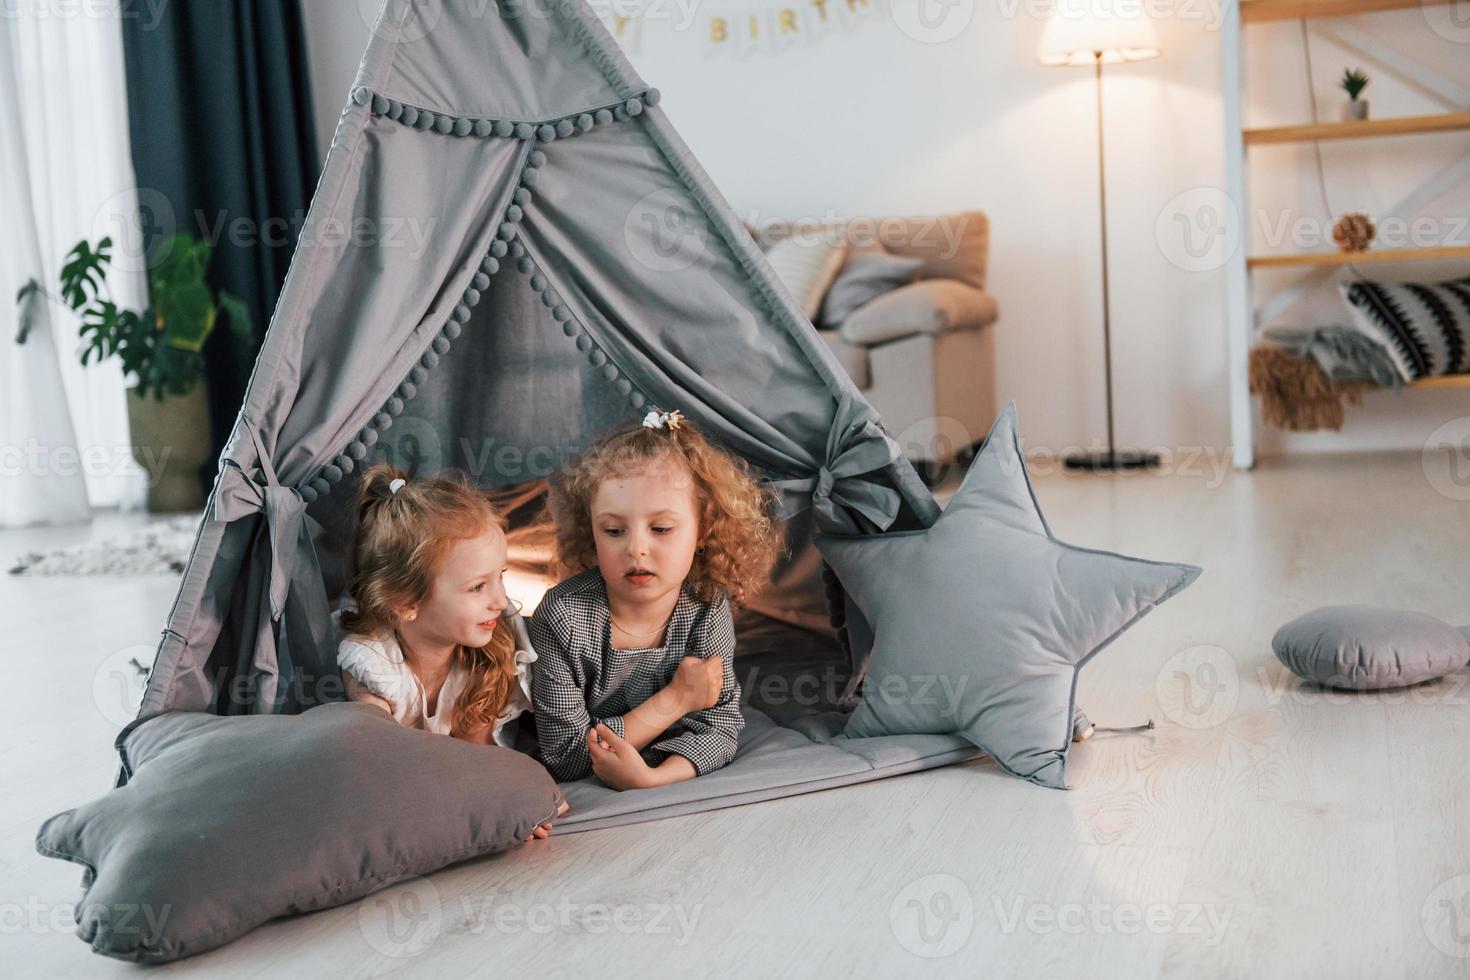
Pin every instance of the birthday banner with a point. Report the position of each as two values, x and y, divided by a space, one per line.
737 31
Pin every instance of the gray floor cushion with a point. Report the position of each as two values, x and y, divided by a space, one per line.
1363 648
227 822
983 620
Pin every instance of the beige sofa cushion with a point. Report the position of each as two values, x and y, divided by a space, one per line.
952 246
932 306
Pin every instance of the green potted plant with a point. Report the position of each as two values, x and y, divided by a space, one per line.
161 350
1354 80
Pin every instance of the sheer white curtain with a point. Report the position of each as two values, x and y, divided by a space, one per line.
69 94
35 427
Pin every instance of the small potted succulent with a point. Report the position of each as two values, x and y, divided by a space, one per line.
1354 80
161 350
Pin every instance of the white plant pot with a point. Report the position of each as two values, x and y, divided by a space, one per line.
1355 109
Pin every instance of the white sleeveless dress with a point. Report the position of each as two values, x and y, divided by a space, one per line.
378 664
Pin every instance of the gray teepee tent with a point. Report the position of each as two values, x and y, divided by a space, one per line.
510 249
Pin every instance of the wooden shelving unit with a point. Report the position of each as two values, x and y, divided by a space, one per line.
1366 129
1370 257
1444 381
1258 11
1240 307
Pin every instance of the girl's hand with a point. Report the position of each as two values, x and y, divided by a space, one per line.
699 680
544 831
616 762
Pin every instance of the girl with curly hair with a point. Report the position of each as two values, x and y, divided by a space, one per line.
660 533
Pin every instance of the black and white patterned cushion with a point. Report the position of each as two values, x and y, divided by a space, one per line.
1425 327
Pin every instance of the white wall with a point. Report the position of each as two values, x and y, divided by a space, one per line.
871 121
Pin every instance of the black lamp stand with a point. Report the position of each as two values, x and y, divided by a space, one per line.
1111 458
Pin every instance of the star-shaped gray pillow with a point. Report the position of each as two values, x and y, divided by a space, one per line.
983 620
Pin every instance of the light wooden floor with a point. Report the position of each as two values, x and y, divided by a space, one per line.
1260 831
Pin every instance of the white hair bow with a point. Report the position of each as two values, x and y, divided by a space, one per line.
658 420
396 485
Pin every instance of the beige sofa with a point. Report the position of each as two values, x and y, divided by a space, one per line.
923 354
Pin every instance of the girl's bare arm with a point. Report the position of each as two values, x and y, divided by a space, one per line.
356 692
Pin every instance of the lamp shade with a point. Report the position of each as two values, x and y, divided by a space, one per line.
1079 30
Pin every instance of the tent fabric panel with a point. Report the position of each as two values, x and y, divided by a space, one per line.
542 71
690 325
195 620
279 377
180 652
512 401
388 297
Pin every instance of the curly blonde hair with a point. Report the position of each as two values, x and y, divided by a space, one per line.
739 539
400 540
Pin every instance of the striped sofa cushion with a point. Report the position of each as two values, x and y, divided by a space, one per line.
807 266
1425 327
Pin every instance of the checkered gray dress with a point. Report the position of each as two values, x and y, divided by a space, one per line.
581 680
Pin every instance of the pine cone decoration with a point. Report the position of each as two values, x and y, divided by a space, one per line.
1353 232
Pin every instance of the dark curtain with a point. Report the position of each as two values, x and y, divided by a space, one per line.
219 101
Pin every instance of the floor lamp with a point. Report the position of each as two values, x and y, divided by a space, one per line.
1094 33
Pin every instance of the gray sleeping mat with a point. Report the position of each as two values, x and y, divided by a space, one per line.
791 680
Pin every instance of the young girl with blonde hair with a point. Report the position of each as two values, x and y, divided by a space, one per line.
425 635
660 532
425 632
